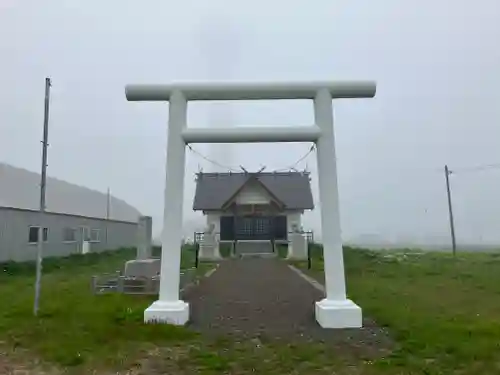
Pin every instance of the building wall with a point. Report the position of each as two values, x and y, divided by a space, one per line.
254 194
14 234
214 218
293 217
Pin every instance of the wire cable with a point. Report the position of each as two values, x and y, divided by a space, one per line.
294 165
230 169
477 168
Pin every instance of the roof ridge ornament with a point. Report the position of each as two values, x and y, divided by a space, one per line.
259 171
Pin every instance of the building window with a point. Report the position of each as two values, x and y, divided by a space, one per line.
95 235
261 225
33 234
69 234
86 233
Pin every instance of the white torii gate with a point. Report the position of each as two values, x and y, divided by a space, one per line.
335 310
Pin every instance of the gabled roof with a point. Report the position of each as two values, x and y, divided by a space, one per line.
252 177
213 190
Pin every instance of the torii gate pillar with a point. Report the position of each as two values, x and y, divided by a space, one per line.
335 310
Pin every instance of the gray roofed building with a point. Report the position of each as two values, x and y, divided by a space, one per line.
252 207
76 219
292 189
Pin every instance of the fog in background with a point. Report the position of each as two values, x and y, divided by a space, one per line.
437 65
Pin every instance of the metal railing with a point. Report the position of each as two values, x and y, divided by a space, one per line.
309 235
104 284
198 238
117 283
310 241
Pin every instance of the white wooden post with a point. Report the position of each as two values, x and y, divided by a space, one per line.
335 311
168 308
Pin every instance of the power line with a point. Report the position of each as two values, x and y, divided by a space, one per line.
460 170
231 169
449 172
294 165
212 161
477 168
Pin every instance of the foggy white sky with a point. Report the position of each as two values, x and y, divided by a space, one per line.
437 64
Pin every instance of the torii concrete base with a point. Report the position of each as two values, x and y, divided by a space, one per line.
338 314
176 313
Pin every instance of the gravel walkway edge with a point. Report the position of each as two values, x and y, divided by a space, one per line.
197 280
316 284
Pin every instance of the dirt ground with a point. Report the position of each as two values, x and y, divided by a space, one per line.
263 299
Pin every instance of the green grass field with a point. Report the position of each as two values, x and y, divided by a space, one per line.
75 327
442 312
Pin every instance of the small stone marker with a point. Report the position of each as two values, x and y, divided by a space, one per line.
143 265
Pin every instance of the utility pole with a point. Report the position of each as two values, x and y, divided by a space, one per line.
447 174
41 230
108 207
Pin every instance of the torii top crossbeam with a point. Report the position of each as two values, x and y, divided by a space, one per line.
251 90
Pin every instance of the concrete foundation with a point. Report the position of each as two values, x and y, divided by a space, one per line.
209 246
176 312
209 253
297 247
142 268
338 314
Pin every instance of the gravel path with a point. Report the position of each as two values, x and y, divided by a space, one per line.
259 297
